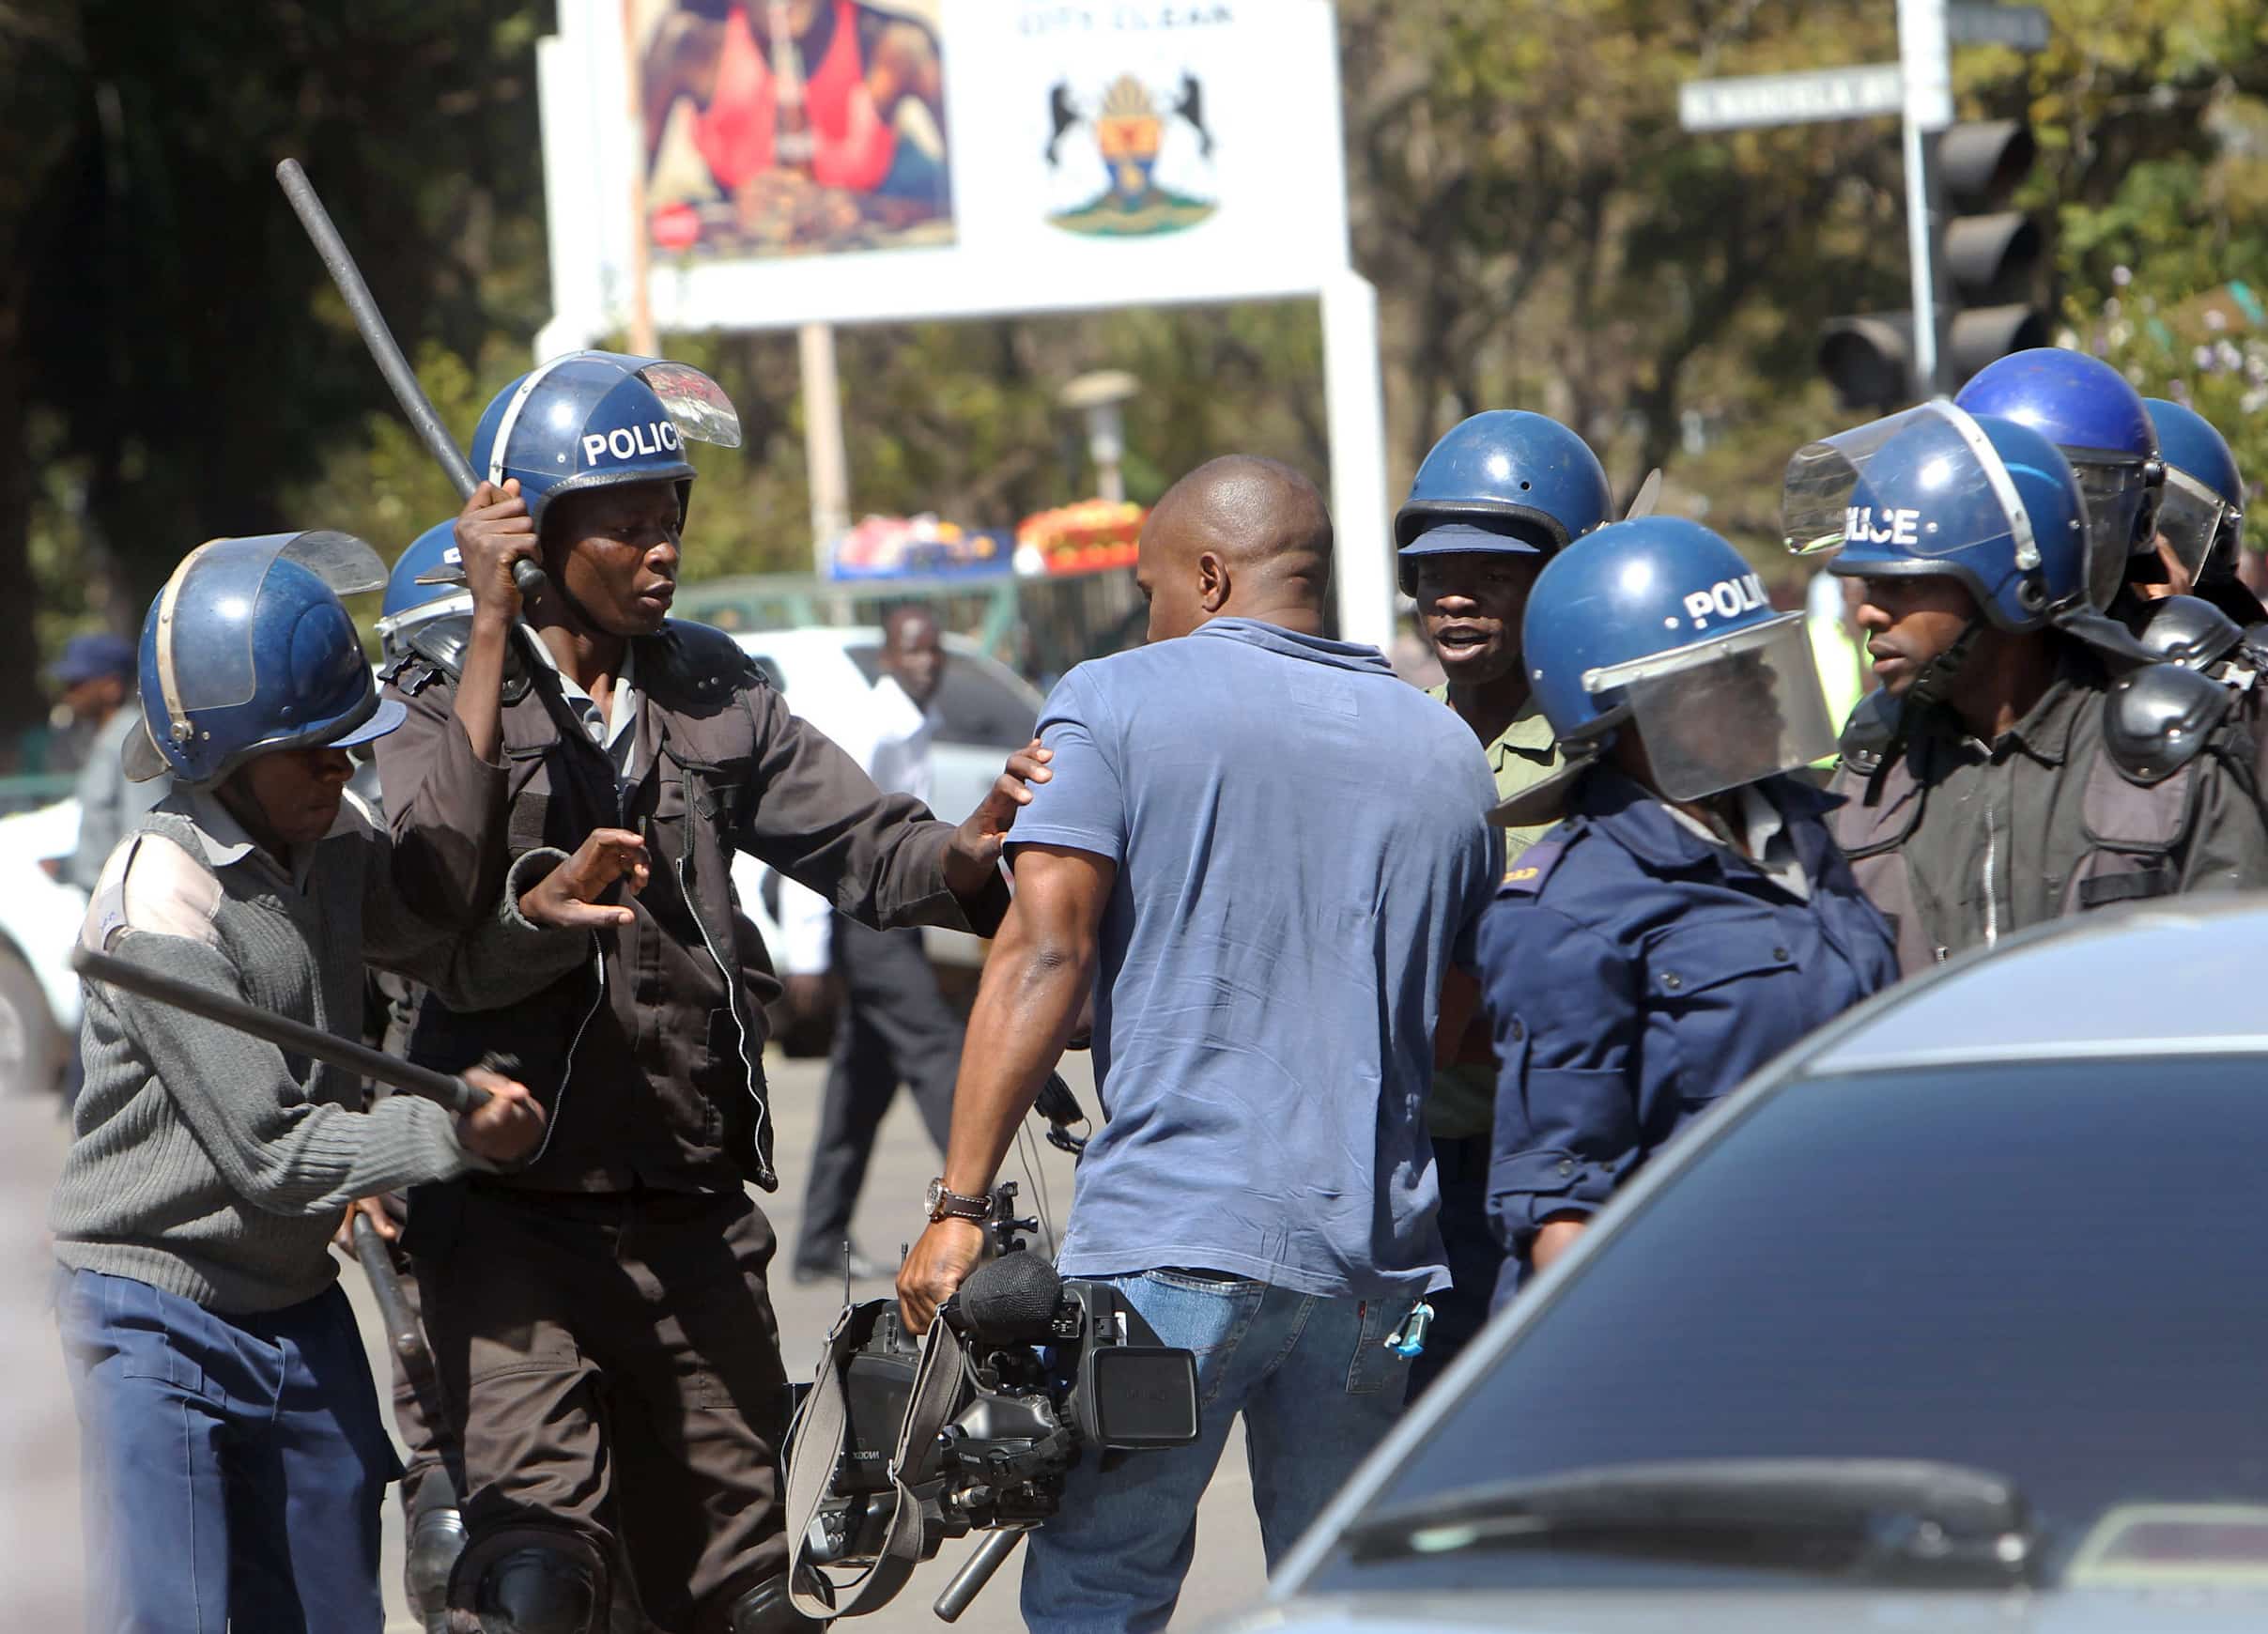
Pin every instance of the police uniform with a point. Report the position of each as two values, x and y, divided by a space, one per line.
601 1316
1635 971
1671 935
2125 778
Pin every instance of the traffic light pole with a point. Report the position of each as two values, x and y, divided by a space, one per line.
1926 57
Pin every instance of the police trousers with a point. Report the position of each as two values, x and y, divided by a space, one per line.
232 1466
622 1396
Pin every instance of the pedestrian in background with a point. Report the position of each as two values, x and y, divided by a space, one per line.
893 1026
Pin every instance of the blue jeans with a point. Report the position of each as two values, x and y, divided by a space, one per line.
1317 1389
232 1466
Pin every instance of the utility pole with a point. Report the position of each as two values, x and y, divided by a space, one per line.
1925 56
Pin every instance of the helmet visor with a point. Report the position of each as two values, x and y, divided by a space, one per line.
697 403
205 612
1942 457
1724 713
2190 517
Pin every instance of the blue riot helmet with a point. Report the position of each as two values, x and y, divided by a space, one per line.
1503 480
408 603
247 649
1661 625
2085 409
2202 514
589 420
1939 491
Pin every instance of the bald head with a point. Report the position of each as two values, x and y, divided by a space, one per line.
1238 537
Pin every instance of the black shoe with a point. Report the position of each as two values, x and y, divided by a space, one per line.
861 1269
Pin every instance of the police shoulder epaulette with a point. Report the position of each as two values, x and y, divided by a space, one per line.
1524 874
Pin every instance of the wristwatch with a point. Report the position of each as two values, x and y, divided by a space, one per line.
945 1205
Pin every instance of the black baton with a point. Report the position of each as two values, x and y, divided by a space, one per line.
339 261
402 1331
282 1031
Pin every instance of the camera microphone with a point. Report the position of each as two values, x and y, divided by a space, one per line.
1011 1301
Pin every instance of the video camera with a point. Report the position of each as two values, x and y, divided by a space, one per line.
974 1427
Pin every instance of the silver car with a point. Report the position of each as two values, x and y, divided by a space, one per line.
1953 1318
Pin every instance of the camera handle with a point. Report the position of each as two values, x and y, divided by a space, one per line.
977 1571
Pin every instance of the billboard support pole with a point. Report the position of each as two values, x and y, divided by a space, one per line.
642 340
1362 570
826 465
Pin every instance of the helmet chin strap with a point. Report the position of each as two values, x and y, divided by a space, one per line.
1932 685
1936 678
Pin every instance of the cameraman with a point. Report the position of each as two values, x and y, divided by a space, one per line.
1259 849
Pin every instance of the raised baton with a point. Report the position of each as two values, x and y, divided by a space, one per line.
339 262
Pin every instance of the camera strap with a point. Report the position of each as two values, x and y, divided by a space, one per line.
814 1451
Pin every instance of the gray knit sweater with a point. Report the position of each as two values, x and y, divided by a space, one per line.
207 1162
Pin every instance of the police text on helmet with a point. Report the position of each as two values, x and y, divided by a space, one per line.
628 442
1727 599
1899 526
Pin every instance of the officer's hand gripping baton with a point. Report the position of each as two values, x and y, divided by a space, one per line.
282 1031
339 262
402 1331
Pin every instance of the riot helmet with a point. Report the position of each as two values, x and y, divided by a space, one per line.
1937 491
589 420
2203 515
1660 624
408 602
248 649
2088 410
1502 481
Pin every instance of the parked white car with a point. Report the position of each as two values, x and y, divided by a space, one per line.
39 918
985 712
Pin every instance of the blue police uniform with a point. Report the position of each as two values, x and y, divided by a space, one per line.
1635 972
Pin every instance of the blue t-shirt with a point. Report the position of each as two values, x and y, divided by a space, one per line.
1300 855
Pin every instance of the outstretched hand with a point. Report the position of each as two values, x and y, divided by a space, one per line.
568 897
976 848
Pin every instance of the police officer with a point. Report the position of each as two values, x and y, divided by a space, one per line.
1690 916
2211 620
601 1316
2200 521
2088 410
1489 505
2026 758
234 1462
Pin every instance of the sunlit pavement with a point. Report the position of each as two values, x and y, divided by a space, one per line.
38 1443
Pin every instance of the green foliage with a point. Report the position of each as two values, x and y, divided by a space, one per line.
173 364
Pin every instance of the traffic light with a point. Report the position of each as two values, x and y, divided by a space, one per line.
1989 260
1992 255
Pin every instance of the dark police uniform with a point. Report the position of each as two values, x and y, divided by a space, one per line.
1635 972
601 1316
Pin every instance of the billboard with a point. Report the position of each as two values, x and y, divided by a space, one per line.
786 161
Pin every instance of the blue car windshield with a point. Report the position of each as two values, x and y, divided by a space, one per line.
2050 1272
